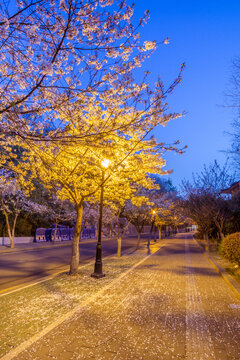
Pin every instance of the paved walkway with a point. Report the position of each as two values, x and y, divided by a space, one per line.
172 306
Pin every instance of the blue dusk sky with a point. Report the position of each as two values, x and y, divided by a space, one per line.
205 34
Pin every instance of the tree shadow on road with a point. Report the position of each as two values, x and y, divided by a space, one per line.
206 271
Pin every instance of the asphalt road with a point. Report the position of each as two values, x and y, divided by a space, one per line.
26 266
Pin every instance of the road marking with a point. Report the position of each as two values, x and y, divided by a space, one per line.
59 321
199 344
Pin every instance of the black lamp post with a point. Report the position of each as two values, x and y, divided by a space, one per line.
98 263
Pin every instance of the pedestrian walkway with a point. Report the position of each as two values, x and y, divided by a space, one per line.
174 305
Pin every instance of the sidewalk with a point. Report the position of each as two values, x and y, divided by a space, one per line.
173 305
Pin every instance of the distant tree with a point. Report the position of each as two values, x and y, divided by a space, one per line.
13 201
233 93
203 201
233 223
165 185
90 214
137 211
59 211
166 211
233 101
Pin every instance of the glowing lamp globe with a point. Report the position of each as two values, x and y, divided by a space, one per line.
105 163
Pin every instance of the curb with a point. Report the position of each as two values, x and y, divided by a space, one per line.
229 280
14 352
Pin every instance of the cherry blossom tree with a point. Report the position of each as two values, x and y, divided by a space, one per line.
57 56
137 211
75 173
91 217
166 210
90 214
74 100
161 212
203 200
59 210
13 201
119 224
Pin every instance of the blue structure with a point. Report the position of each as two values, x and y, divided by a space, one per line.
62 234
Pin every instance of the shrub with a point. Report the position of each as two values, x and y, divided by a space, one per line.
231 247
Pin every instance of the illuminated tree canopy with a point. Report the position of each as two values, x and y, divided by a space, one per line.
69 99
59 58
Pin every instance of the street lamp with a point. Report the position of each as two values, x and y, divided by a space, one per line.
98 263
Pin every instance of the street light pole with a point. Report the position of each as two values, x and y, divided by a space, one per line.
98 263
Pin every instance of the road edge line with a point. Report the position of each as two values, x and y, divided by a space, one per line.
23 346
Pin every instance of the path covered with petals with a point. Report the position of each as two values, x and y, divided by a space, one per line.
174 305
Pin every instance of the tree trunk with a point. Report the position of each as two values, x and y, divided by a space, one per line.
55 232
207 241
160 232
75 243
11 238
152 227
221 235
148 246
11 233
220 226
14 226
138 241
155 233
119 251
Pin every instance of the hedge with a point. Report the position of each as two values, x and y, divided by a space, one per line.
231 247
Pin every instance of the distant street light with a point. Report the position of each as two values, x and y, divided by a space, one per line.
98 263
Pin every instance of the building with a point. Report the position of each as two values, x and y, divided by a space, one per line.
233 189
